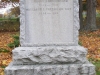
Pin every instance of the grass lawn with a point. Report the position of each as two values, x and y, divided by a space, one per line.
97 64
9 24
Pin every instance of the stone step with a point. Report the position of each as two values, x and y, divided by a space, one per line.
58 69
49 55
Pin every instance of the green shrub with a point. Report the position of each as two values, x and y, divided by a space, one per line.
4 50
80 43
16 37
11 45
15 43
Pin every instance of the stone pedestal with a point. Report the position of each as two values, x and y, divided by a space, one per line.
65 60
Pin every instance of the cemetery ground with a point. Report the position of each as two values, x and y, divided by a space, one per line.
90 40
9 24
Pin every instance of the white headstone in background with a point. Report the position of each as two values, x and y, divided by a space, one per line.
49 22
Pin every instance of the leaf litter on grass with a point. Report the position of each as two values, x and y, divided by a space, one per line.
90 40
5 51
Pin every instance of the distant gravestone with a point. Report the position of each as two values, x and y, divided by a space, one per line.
49 40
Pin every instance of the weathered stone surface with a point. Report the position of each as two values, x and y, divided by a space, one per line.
87 68
51 55
73 69
60 69
49 22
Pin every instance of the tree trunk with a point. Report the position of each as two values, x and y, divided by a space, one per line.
80 14
91 15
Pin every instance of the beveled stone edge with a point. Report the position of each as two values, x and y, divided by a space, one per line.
73 69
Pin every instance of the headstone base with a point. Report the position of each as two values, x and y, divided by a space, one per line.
49 55
57 69
59 60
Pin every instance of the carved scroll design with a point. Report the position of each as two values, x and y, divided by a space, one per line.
76 21
22 21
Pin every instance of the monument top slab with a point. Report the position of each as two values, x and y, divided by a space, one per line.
49 22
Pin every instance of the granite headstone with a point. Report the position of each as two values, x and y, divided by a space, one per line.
49 40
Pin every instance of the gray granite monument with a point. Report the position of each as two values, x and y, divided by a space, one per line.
49 40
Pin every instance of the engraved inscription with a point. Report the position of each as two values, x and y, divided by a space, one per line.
49 21
50 0
46 8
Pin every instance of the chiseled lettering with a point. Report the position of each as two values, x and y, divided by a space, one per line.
50 0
